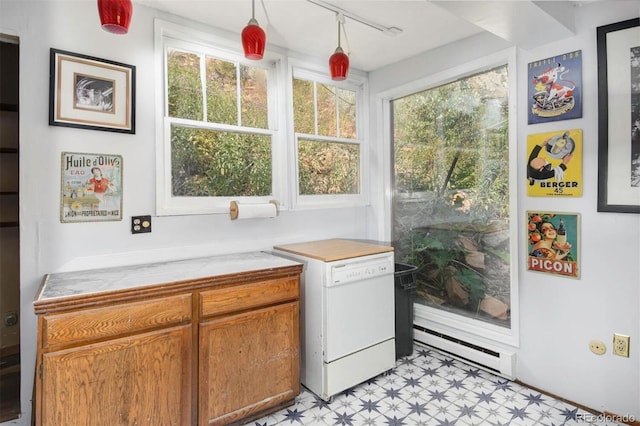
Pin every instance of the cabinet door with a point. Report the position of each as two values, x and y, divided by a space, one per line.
143 379
248 363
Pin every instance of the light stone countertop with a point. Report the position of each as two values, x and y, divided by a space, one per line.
79 283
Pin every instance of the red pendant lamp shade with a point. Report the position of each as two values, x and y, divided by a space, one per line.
115 15
253 40
253 37
339 61
339 65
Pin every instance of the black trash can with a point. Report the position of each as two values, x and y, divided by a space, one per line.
405 294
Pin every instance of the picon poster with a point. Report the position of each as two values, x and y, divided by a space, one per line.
553 243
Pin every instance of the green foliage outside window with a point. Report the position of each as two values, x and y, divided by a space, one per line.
304 106
208 162
185 89
222 102
451 211
454 138
326 166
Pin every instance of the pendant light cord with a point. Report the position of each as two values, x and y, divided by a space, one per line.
340 19
341 22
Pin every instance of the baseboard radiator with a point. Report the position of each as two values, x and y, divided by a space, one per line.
497 361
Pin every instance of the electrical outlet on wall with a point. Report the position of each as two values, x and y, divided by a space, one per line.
621 345
140 224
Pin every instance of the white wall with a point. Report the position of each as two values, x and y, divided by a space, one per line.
50 246
603 301
559 316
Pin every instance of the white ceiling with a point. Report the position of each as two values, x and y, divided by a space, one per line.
302 26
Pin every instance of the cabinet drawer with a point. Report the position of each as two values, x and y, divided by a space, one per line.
247 296
114 320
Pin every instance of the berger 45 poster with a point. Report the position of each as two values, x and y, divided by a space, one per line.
553 243
554 165
91 187
555 88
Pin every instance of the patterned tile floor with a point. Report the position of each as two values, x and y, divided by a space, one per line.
429 388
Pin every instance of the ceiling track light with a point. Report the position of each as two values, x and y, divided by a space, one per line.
390 31
253 37
115 15
339 61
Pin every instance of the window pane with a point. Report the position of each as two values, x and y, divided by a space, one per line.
253 85
184 87
347 112
303 107
326 110
451 208
328 168
209 163
222 94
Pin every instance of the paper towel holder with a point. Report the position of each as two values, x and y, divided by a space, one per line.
234 209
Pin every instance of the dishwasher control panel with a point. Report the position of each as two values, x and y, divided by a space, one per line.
358 269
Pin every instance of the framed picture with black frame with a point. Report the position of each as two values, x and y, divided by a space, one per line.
91 93
618 47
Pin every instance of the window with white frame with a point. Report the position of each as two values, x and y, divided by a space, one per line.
222 136
219 128
330 155
455 192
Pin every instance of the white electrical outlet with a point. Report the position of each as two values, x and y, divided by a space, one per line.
597 347
621 345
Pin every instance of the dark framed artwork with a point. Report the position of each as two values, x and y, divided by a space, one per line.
555 88
91 93
619 117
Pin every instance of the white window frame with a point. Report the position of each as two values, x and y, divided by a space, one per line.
458 326
358 84
173 35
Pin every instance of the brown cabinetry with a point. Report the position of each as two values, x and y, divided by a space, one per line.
246 361
216 349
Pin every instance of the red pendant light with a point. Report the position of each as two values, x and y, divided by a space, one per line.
115 15
339 61
339 65
253 37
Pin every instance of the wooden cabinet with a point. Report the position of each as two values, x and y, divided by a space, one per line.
119 364
246 359
217 349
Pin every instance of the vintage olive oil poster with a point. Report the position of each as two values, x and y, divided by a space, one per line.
91 187
553 242
554 164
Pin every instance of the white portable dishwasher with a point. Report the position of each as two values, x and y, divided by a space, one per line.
347 312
